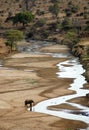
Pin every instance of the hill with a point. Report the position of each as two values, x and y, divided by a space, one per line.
62 21
40 7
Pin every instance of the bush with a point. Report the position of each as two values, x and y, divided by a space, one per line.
53 1
45 34
72 37
74 9
66 24
58 26
39 12
41 22
87 50
54 9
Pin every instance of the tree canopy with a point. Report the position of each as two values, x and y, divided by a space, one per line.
23 17
12 37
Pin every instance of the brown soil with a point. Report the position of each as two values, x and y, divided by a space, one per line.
27 76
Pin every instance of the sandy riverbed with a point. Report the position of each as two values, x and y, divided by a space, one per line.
27 76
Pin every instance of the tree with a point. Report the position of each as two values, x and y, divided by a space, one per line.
12 37
23 17
72 37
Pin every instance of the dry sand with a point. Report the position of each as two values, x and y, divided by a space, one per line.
27 76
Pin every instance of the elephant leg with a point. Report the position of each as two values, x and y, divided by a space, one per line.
26 103
30 106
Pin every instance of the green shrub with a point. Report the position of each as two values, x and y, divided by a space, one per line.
66 24
39 12
41 22
12 37
72 37
74 9
54 1
45 34
87 50
54 9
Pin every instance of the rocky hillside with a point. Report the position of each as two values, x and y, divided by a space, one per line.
41 7
49 14
62 21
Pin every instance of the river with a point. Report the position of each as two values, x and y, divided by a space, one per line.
68 69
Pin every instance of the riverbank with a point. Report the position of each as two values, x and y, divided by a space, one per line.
4 50
32 76
81 50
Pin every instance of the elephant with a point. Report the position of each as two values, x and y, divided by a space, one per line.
29 103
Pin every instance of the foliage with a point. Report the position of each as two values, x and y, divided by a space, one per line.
88 50
74 9
68 14
71 9
72 37
54 1
12 37
58 26
45 34
41 22
66 24
87 27
39 12
54 9
23 17
17 0
72 34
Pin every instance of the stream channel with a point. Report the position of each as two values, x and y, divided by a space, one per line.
68 69
74 70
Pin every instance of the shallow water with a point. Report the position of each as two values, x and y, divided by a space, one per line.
68 69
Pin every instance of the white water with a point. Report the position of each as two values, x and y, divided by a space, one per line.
68 69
